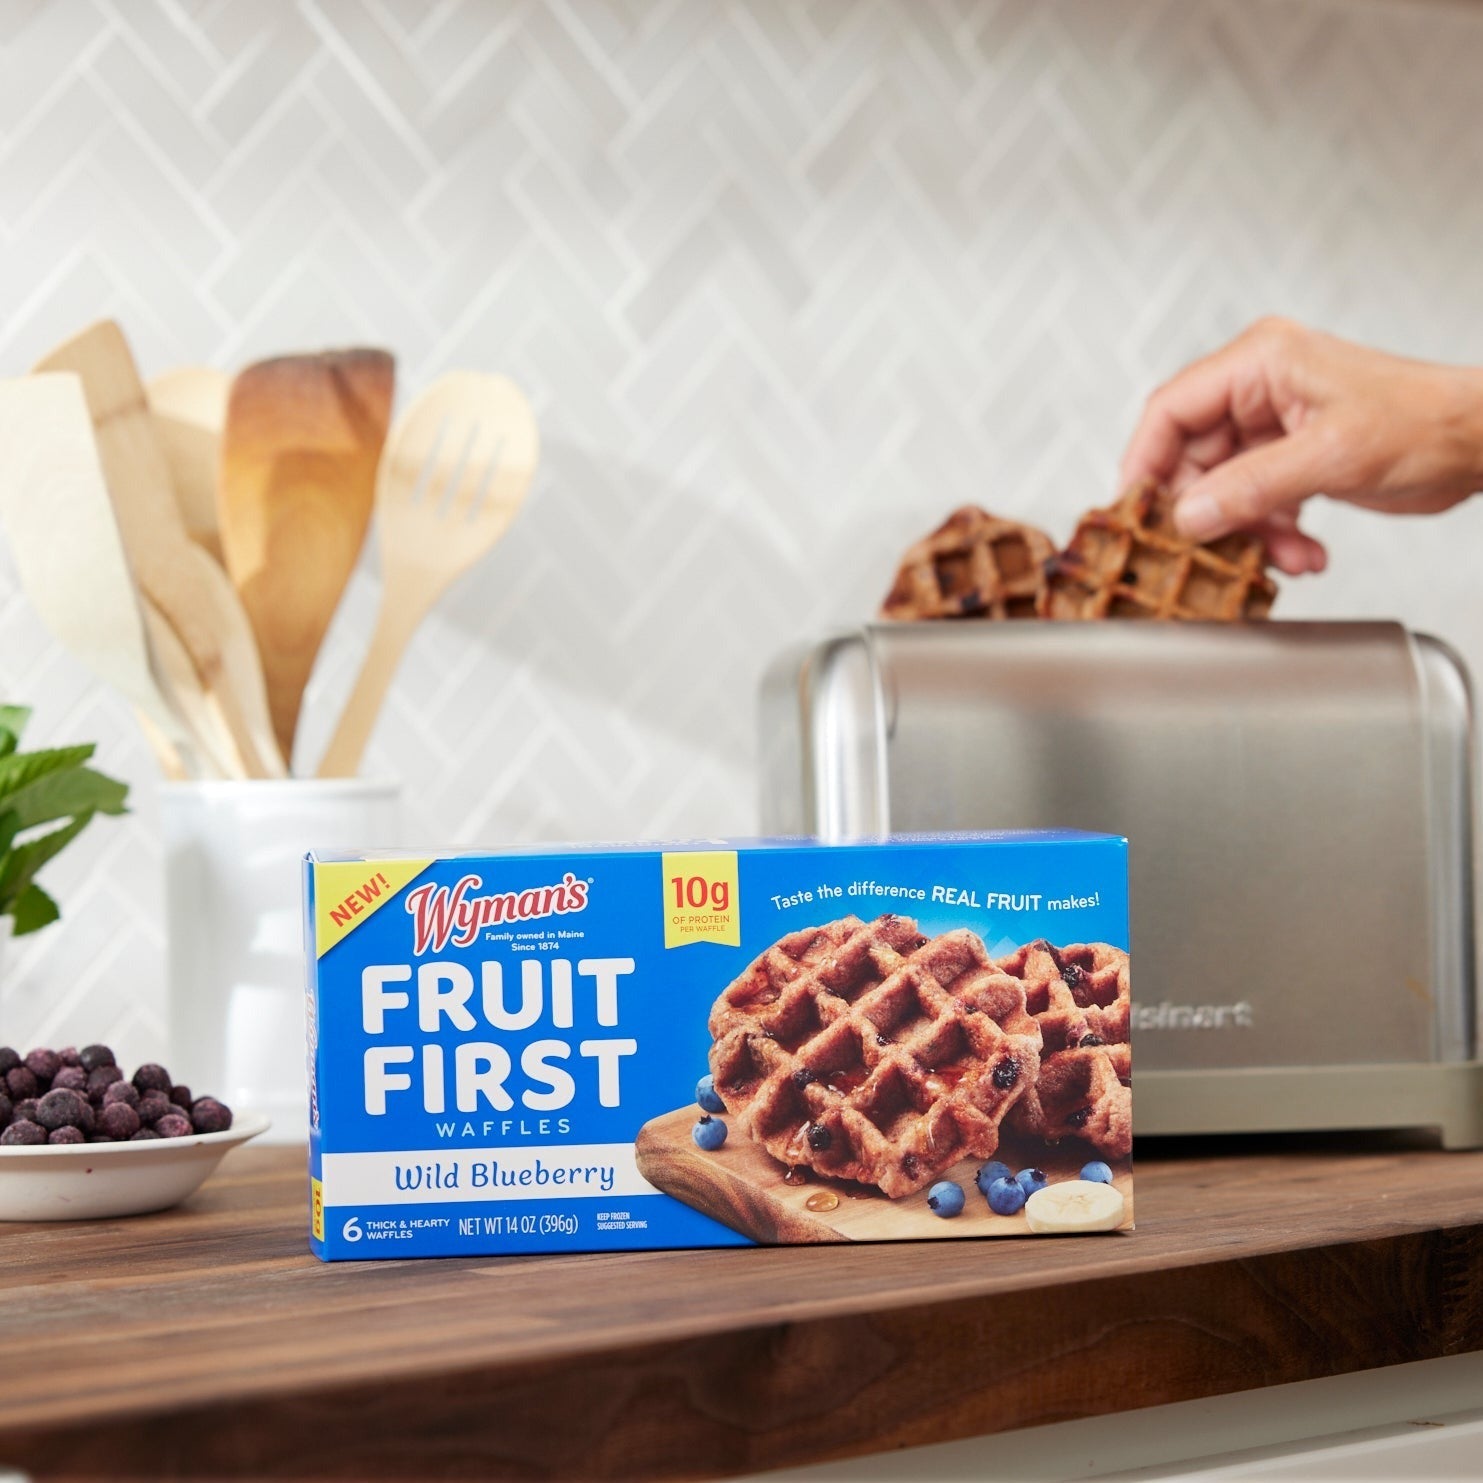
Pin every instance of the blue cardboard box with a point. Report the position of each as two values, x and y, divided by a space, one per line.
584 1048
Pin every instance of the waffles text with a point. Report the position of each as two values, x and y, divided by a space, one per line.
480 1072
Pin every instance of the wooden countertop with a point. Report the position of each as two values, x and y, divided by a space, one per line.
206 1341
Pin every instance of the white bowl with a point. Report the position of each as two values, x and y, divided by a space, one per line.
89 1181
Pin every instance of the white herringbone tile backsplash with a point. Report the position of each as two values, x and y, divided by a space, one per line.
787 281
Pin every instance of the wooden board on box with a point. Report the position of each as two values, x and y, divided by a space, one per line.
743 1186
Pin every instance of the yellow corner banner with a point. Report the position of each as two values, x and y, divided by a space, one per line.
346 893
701 901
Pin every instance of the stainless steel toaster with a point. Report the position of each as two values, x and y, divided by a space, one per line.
1298 799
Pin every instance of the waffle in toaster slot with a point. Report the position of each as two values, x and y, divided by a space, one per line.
1128 562
974 565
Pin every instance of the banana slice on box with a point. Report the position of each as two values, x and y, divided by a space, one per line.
1072 1206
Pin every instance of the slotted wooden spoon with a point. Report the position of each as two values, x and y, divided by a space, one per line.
297 482
454 474
192 593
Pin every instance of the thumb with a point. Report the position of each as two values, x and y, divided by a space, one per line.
1254 485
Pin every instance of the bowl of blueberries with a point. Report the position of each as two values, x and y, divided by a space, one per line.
79 1140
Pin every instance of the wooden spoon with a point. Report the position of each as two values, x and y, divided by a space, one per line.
454 474
189 407
298 479
190 590
56 513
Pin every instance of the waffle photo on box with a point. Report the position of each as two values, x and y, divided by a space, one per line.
587 1048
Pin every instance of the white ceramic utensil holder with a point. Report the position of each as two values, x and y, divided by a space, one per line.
233 888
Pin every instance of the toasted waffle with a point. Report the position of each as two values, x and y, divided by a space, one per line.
1128 562
1079 996
870 1052
974 565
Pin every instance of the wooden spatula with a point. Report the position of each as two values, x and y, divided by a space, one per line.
455 472
190 590
189 406
57 517
297 482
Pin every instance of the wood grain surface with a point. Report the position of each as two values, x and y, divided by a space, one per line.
206 1342
743 1186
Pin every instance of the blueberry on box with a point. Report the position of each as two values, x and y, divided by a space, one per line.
1031 1180
945 1199
706 1095
709 1133
1096 1172
991 1172
1006 1196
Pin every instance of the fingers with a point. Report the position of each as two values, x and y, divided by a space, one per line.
1228 387
1254 485
1291 550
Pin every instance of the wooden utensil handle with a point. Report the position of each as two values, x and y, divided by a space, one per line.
394 629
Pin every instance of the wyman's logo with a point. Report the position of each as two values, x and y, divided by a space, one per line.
441 915
1168 1016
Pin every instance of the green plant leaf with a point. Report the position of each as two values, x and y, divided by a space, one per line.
21 769
25 860
9 827
13 719
60 795
33 910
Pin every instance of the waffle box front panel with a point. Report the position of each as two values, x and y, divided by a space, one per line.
718 1043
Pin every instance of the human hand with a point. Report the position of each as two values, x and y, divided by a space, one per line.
1284 412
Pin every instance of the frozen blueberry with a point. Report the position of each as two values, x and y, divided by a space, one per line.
70 1078
210 1116
68 1056
121 1091
945 1199
181 1097
152 1078
172 1125
23 1132
119 1120
1006 1197
90 1057
66 1135
63 1109
101 1078
9 1059
1097 1172
705 1095
990 1172
152 1107
709 1133
142 1135
24 1111
1031 1180
20 1082
5 1109
43 1064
